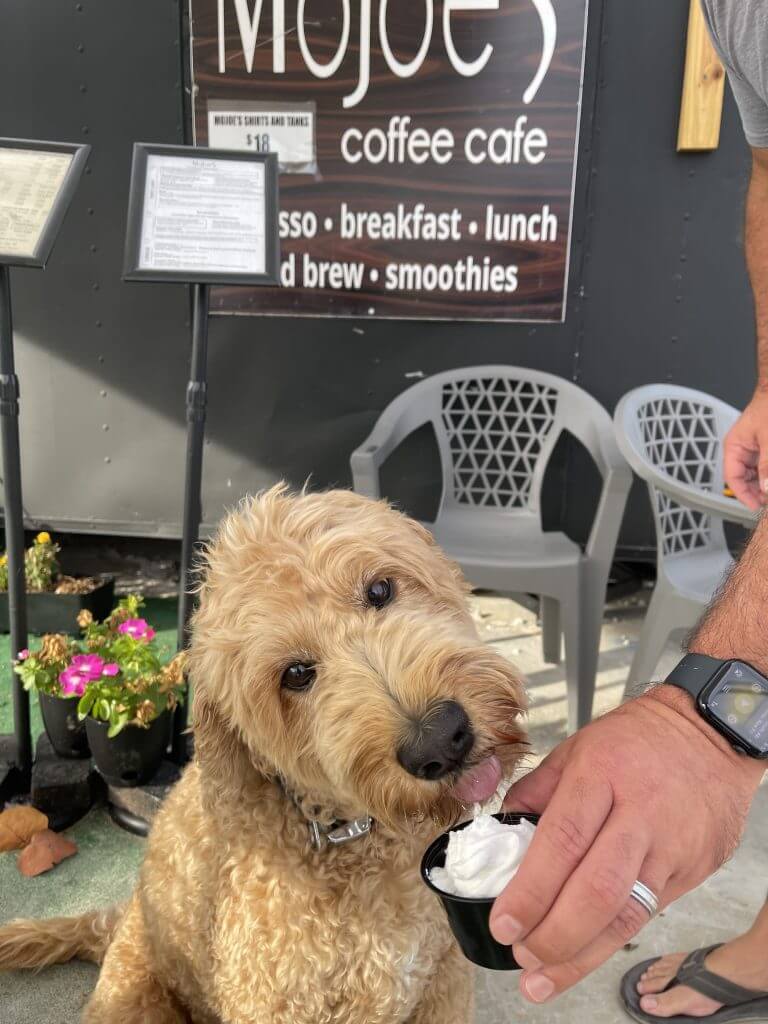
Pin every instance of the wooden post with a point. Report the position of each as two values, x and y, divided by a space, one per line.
703 84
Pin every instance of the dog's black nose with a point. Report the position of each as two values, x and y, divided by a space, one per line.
439 744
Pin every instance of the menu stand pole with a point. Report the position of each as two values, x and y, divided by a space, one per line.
20 763
196 409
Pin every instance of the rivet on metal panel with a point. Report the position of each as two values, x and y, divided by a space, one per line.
673 339
80 48
683 257
83 87
78 7
92 248
686 216
678 298
100 359
98 323
90 211
107 458
105 426
691 174
103 393
96 287
85 129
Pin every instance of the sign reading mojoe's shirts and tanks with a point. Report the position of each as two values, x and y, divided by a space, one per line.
426 149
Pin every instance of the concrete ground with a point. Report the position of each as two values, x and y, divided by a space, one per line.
108 859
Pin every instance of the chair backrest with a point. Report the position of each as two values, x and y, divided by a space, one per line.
496 427
674 432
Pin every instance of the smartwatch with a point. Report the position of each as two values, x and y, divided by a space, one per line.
730 695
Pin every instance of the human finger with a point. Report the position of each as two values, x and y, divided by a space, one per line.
579 806
543 982
595 893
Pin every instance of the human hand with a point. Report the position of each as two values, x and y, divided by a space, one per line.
649 792
745 452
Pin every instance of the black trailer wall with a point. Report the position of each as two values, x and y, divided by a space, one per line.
658 290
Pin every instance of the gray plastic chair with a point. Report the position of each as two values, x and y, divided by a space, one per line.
673 437
496 427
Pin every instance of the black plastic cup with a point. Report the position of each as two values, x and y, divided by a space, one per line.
469 916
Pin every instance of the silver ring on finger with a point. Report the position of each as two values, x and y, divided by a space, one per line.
646 897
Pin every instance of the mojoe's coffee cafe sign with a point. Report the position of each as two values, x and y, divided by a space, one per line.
427 149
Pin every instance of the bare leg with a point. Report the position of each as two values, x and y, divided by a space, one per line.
127 992
744 961
450 998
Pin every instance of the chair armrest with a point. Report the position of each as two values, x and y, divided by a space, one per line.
595 432
364 463
617 482
702 501
390 430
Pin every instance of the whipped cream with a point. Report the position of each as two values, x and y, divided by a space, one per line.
483 857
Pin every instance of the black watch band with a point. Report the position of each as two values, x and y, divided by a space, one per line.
693 672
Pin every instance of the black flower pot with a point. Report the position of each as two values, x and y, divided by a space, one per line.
133 756
57 613
65 731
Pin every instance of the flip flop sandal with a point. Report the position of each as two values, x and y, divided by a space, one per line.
739 1004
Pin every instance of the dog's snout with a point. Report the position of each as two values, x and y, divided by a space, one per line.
439 744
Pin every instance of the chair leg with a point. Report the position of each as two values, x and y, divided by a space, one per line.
551 633
582 618
667 612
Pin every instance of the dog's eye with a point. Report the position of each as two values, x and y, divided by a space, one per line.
379 593
298 676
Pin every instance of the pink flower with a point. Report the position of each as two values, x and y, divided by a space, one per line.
72 683
139 629
83 669
88 665
23 655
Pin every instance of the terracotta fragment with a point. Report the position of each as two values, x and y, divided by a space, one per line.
18 825
44 851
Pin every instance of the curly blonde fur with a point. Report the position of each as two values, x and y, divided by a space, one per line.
236 918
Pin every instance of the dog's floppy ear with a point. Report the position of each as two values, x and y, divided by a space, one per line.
225 763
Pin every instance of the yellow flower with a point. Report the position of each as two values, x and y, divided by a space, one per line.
43 538
3 559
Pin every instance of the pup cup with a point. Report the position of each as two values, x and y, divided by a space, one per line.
469 916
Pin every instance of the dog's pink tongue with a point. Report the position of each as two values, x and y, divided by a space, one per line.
479 782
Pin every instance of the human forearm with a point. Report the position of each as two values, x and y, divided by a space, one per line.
746 446
756 248
734 626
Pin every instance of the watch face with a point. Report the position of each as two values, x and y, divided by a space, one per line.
738 698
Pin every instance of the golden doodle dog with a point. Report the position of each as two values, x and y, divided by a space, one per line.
338 678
